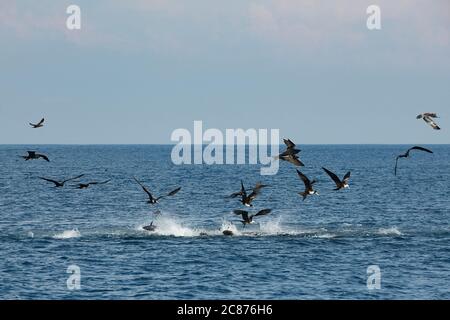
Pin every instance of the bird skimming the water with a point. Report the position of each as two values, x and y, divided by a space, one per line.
340 184
151 198
246 219
247 200
32 155
309 190
40 124
406 155
60 184
428 118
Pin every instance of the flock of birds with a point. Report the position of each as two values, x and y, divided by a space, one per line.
246 199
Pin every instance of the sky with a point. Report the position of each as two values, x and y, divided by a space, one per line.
140 69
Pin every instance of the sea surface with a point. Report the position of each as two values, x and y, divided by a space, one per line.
317 249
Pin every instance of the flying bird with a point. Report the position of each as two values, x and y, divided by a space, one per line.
151 198
406 155
40 124
32 155
290 154
247 200
248 219
340 184
309 189
428 118
60 184
87 185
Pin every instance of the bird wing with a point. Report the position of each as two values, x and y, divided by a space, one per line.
347 177
49 180
333 176
240 212
430 114
74 178
41 122
421 149
289 143
256 190
43 156
305 179
263 212
144 188
396 164
431 123
293 159
171 193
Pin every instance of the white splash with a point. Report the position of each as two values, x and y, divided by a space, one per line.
389 231
167 226
68 234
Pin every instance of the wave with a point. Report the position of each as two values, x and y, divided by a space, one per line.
68 234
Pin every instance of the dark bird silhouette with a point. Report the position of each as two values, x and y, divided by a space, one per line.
406 155
340 184
60 184
309 190
150 227
248 219
32 155
151 198
40 124
428 118
290 154
247 200
87 185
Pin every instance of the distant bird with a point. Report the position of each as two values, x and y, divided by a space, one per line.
428 118
246 219
32 155
406 155
247 200
87 185
309 190
60 184
152 199
40 124
340 184
290 154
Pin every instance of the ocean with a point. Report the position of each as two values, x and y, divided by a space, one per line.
320 248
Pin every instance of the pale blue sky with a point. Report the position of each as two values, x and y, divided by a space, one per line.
139 69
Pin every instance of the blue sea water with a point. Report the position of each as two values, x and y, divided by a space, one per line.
316 249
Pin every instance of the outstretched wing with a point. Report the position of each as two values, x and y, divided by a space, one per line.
289 143
96 182
171 193
305 179
43 156
41 122
421 149
263 212
144 188
256 190
49 180
396 164
335 178
292 159
347 177
74 178
431 123
430 114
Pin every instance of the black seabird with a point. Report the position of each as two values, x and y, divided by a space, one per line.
246 219
87 185
151 198
428 118
247 200
406 155
60 184
340 184
150 227
309 190
290 154
40 124
32 155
